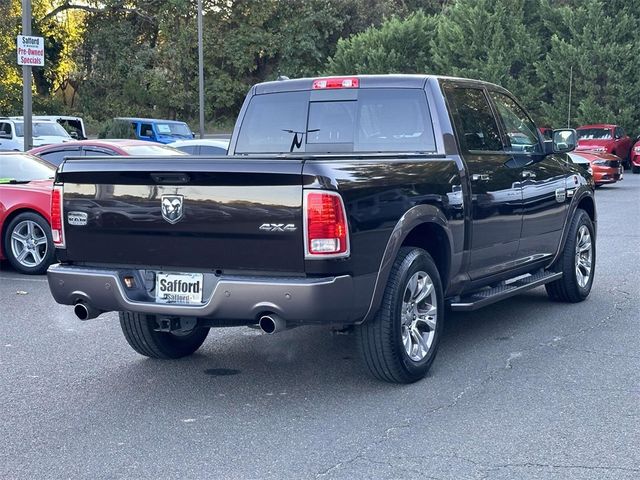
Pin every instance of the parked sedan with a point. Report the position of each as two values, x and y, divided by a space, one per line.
635 157
604 138
607 168
202 146
25 220
55 154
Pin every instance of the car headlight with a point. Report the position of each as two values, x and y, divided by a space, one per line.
637 149
599 149
599 162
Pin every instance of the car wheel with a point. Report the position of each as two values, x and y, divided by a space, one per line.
635 169
140 332
400 343
28 244
577 262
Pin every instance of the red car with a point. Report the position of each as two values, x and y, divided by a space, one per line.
635 157
55 154
604 138
25 221
606 168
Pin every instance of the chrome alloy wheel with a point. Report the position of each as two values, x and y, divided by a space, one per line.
29 244
419 316
584 256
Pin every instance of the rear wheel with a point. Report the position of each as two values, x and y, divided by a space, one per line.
28 244
140 332
400 343
577 262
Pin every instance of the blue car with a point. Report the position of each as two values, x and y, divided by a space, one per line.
161 131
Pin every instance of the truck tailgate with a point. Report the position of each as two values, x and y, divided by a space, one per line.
214 213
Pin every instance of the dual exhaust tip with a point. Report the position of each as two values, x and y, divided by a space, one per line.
269 323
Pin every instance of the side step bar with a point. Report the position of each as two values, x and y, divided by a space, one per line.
487 296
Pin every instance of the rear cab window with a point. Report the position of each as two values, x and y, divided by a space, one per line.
368 120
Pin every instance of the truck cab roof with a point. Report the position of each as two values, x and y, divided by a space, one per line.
363 81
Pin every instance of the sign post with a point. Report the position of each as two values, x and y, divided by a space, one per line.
200 71
30 52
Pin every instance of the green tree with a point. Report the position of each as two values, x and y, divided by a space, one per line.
492 40
397 46
599 44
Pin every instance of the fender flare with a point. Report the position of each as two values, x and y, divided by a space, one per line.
581 194
414 217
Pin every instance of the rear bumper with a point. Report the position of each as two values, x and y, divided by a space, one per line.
301 300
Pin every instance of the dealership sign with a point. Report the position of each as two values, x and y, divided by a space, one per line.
30 51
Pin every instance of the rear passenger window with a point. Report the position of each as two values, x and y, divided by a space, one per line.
57 156
475 124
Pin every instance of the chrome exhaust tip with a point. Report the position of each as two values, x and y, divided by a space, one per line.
271 324
85 312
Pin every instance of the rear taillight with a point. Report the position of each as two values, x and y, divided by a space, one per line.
57 229
327 232
336 82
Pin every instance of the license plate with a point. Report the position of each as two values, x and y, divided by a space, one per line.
184 288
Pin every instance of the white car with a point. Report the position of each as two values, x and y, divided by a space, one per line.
203 146
44 133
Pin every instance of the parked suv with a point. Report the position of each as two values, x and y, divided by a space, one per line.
162 131
605 138
364 203
44 133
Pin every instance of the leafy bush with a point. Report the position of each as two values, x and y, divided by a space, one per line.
117 129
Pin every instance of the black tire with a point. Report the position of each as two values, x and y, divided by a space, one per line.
635 169
380 339
40 256
568 288
139 331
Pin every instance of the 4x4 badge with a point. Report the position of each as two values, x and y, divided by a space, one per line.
172 208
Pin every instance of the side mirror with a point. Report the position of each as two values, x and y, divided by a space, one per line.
74 135
564 140
5 135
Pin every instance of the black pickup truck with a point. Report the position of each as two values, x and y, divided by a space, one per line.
365 203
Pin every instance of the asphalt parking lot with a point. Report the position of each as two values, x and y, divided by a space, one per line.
520 390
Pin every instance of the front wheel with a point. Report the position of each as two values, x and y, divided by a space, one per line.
141 334
577 262
400 343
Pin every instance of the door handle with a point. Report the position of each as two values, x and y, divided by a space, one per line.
480 177
528 174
